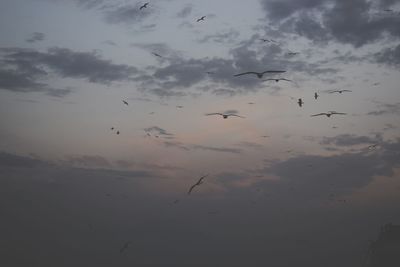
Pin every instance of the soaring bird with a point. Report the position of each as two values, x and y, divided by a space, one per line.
157 55
112 128
117 132
225 116
260 74
179 106
199 182
316 95
143 6
300 102
200 19
210 72
124 247
268 40
278 79
329 113
126 103
339 91
292 53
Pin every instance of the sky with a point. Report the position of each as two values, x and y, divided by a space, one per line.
87 180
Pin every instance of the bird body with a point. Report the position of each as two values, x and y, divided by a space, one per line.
225 116
143 6
199 182
259 74
126 103
157 55
329 114
316 95
300 102
201 19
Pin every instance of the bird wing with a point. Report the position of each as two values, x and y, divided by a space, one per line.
191 188
268 80
234 115
283 79
244 73
208 114
347 91
201 178
273 71
319 114
334 91
340 113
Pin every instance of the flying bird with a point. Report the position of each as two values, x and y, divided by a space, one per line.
278 79
370 147
112 128
268 40
316 95
251 103
199 182
200 19
329 113
117 132
339 91
259 74
157 55
210 72
179 106
126 103
300 102
225 116
124 247
292 53
143 6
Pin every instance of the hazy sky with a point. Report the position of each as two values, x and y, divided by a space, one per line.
284 188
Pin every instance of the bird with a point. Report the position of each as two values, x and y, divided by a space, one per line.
259 74
225 116
300 102
370 147
339 91
126 103
124 247
329 114
316 95
292 53
157 55
277 80
117 132
199 182
151 113
265 136
210 72
179 106
268 40
143 6
251 103
200 19
112 128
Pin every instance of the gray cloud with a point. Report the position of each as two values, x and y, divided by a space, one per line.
15 161
36 37
87 161
348 140
185 11
385 108
350 22
389 56
218 149
224 37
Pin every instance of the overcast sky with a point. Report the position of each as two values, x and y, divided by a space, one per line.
284 188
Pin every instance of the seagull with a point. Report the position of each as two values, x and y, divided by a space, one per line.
112 128
316 95
329 113
179 106
259 74
126 103
300 102
143 6
372 146
157 55
292 53
199 182
225 116
117 132
339 91
200 19
125 246
277 80
251 103
268 40
210 72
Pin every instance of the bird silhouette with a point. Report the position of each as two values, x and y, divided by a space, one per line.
179 106
278 79
339 91
117 132
124 247
259 74
268 40
157 55
316 95
329 114
199 182
225 116
300 102
201 19
112 128
126 103
292 53
143 6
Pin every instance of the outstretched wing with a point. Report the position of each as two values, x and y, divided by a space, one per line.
338 113
283 79
208 114
234 115
244 73
191 188
319 114
273 71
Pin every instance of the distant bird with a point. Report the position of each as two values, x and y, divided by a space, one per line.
372 146
292 53
210 72
251 103
339 91
176 201
300 102
265 136
225 116
124 247
151 113
278 79
179 106
199 182
316 95
143 6
157 55
388 10
112 128
200 19
376 84
329 113
268 40
259 74
126 103
117 132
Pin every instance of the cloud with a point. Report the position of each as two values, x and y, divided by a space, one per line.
389 56
87 161
159 131
348 22
224 37
185 11
218 149
22 69
348 140
15 161
386 108
36 37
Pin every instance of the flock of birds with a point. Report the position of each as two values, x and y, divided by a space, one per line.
259 75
